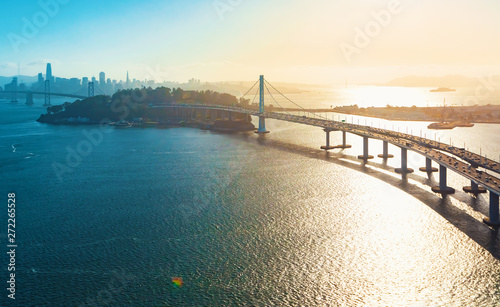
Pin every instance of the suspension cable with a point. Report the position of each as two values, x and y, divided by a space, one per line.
255 96
283 109
250 89
321 116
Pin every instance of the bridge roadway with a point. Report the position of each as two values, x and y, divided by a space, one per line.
43 93
428 148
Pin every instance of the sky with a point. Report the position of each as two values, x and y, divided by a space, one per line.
316 41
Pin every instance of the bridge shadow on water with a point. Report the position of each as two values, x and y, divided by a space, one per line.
483 235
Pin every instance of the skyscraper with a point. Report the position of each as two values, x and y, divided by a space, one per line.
40 79
48 74
102 78
127 84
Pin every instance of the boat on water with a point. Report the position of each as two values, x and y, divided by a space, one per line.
121 124
442 125
443 89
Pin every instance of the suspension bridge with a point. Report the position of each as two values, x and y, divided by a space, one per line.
85 91
459 160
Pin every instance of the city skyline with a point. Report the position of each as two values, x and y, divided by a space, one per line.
41 77
325 42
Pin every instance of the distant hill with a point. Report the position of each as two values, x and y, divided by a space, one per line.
445 81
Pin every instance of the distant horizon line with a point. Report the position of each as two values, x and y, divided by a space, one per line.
412 83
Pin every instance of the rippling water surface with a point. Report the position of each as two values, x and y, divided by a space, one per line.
243 219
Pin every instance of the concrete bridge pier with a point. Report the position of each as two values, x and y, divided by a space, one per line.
474 188
493 220
365 155
344 141
262 126
29 98
442 188
428 167
404 163
385 151
328 147
14 96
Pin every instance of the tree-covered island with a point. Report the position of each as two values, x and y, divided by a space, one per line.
151 107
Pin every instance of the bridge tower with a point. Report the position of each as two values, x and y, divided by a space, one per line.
262 119
14 90
47 93
91 89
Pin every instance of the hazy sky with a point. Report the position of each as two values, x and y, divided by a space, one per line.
317 41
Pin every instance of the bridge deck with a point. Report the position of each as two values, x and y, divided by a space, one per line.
43 93
426 147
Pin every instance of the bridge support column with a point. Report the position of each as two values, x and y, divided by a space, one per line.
344 142
442 188
385 151
29 98
327 147
474 188
493 220
365 155
428 167
404 163
14 97
262 119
